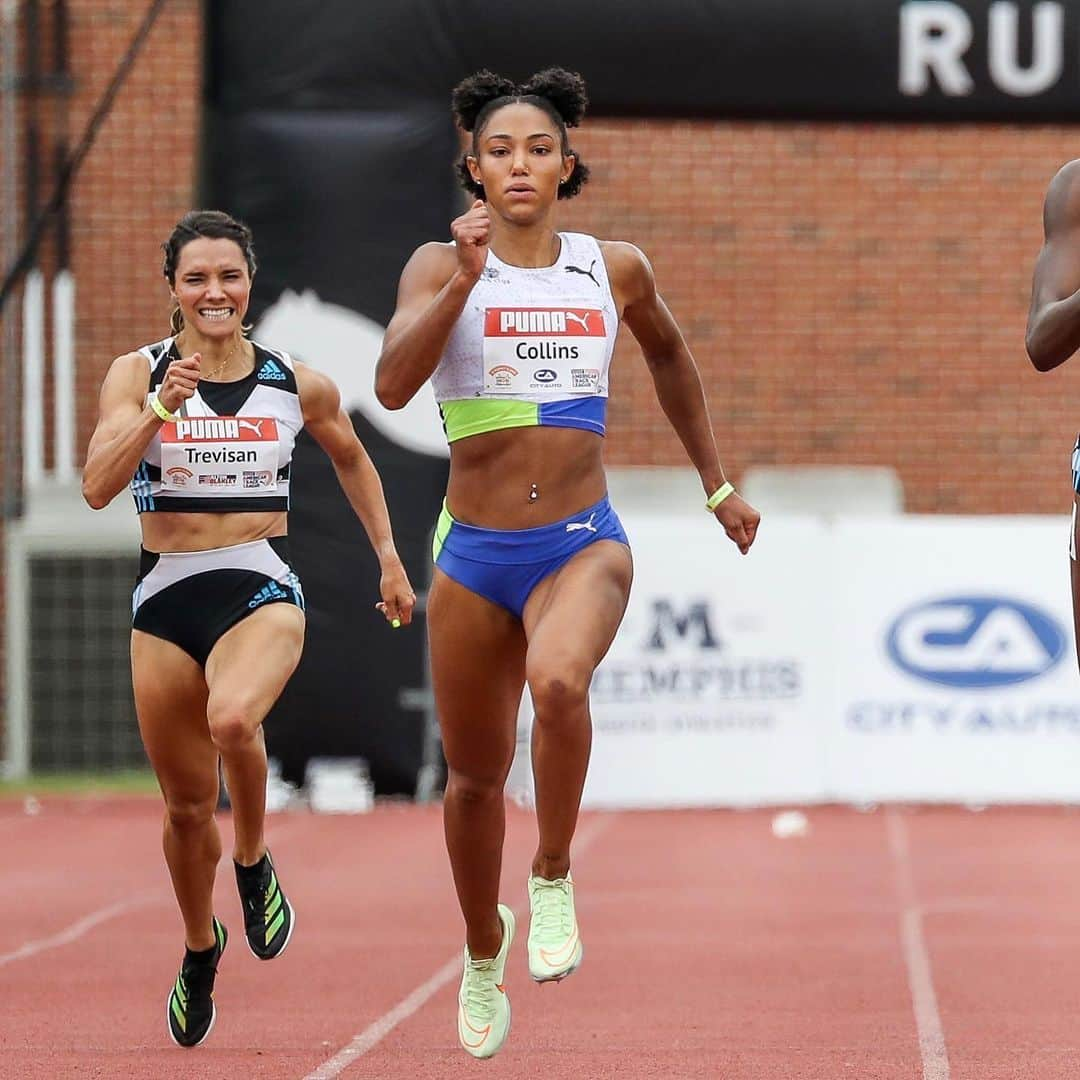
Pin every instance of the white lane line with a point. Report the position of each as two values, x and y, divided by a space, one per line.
372 1035
88 922
75 930
935 1056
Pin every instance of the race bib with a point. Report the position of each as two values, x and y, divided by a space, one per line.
232 454
556 351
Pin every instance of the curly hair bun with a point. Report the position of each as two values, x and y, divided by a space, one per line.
472 94
564 89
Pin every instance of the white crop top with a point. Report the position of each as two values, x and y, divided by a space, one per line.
533 346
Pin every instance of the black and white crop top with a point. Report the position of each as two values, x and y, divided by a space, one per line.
231 445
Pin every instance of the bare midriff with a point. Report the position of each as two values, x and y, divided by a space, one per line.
523 477
164 531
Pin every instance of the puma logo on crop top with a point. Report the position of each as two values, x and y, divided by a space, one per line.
532 347
231 445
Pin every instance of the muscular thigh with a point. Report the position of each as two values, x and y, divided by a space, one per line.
252 662
478 671
572 616
170 701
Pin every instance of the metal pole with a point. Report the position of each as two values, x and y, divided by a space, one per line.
64 377
33 356
63 309
9 209
16 731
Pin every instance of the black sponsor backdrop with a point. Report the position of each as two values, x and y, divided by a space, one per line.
337 201
768 58
327 129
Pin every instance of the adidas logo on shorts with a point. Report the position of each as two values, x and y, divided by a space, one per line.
270 591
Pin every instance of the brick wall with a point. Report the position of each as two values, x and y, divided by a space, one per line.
138 181
852 294
135 183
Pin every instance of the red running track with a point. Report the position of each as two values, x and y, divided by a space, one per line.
929 944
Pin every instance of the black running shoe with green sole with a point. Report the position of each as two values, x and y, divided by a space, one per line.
268 916
190 1009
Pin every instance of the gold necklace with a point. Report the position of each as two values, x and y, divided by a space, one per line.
223 365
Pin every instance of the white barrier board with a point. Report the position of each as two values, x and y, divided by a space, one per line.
714 689
921 658
956 670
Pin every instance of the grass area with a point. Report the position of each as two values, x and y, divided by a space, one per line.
127 782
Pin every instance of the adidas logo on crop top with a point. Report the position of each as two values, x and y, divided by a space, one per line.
230 447
532 347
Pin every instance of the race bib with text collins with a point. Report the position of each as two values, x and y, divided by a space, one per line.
555 351
228 454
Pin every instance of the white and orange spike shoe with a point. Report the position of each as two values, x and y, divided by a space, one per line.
554 941
483 1018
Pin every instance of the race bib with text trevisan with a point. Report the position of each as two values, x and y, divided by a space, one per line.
228 454
555 351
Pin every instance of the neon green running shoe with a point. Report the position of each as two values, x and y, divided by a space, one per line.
269 919
554 942
190 1009
483 1018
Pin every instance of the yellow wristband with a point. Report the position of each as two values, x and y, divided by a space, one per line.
160 410
719 495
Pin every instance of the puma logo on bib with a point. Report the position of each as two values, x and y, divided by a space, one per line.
543 351
228 454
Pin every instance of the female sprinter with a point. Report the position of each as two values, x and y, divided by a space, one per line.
1053 330
515 324
202 425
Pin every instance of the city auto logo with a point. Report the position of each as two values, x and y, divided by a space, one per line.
545 375
975 642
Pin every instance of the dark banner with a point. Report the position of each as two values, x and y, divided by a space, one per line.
838 59
337 202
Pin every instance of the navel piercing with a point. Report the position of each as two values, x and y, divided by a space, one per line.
534 494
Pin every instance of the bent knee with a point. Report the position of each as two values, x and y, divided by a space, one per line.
232 725
186 813
558 692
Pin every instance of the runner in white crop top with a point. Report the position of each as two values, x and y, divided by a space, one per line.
202 426
532 346
515 322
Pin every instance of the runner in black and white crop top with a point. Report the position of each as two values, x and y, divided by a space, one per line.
201 427
230 448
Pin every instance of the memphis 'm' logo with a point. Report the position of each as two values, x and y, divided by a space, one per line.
527 322
690 625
